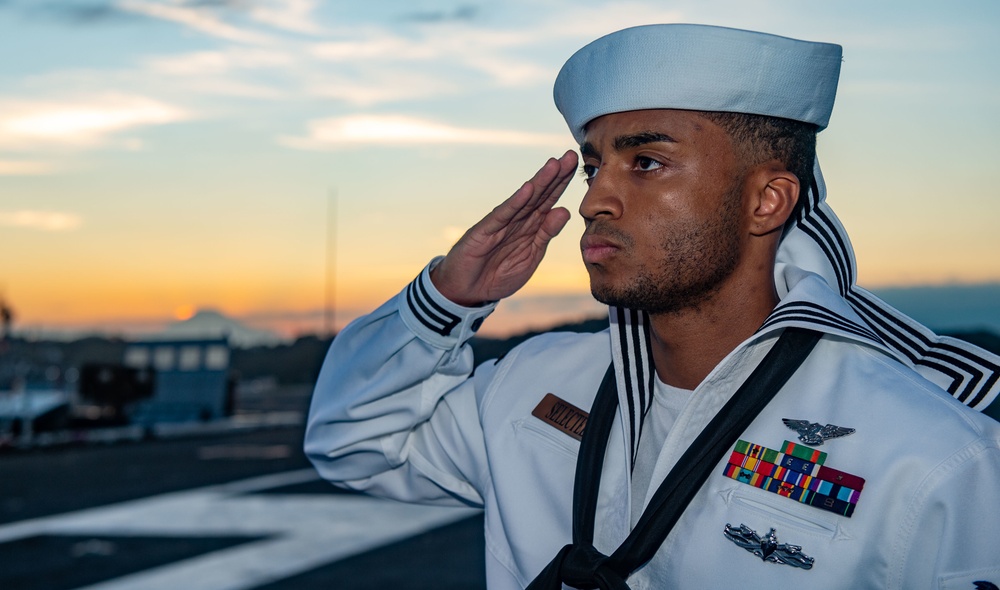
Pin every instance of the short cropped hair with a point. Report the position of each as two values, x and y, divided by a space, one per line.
759 138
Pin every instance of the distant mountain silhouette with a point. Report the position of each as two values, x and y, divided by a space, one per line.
944 308
209 323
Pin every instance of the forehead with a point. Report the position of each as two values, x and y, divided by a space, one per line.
680 126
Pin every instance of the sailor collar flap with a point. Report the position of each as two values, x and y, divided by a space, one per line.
810 303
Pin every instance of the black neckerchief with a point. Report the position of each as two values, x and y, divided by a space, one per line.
579 564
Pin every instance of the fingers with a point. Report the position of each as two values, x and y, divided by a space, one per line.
554 171
555 221
505 212
547 185
498 255
552 178
538 194
567 168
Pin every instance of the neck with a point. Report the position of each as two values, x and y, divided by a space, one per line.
689 343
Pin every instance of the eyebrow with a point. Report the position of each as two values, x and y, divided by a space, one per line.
624 142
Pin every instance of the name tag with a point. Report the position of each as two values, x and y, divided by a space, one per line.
561 414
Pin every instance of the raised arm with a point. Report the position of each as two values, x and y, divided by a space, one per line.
395 410
498 255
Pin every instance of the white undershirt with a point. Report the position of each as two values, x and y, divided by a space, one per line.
668 401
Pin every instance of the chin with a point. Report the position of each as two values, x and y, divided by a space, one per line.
603 294
604 288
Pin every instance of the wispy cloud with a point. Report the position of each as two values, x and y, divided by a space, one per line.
25 168
354 130
589 22
76 13
197 17
466 12
230 87
216 62
83 123
421 55
206 16
506 72
380 86
41 220
374 45
461 45
289 15
383 67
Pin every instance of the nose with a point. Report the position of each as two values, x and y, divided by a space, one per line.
602 198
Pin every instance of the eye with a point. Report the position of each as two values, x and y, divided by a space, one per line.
588 171
647 164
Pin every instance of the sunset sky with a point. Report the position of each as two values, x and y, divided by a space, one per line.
163 156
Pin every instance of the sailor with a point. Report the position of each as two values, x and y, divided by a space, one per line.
752 418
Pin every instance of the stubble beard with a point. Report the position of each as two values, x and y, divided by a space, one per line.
695 260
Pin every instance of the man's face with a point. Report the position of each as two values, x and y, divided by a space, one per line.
664 211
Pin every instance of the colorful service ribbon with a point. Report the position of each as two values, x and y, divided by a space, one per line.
796 472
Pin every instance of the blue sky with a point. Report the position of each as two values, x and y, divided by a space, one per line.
160 156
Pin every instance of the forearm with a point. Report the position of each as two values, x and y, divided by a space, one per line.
377 412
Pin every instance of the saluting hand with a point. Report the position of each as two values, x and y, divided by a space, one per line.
498 255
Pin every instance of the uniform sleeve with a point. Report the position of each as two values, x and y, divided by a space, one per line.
394 411
953 542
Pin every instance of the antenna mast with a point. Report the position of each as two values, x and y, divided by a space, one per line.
329 308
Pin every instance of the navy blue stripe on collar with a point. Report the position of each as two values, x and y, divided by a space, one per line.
973 375
631 339
811 313
968 373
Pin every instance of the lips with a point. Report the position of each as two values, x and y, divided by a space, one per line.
597 249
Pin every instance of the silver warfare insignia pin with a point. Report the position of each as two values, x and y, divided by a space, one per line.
814 433
768 548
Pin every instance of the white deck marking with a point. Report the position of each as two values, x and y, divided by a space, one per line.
305 531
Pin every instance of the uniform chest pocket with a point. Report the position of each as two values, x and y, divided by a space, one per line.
783 511
532 432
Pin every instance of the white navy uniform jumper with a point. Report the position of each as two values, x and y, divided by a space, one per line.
400 411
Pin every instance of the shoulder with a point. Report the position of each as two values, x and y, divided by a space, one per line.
904 428
910 394
555 342
896 412
554 347
569 365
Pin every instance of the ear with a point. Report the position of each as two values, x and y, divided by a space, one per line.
775 192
